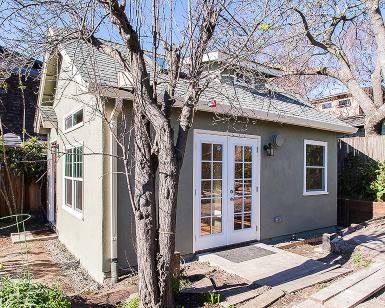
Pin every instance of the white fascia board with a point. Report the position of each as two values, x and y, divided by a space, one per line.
273 117
78 78
43 77
37 121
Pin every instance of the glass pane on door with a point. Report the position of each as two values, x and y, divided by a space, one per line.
243 183
211 188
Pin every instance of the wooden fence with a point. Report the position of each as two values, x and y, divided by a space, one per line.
357 211
368 148
33 199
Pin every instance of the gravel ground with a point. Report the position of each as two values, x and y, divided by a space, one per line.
71 267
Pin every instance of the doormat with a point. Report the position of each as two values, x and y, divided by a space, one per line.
245 253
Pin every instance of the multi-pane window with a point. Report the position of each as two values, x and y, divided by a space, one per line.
74 119
243 168
73 178
315 167
211 188
344 103
327 105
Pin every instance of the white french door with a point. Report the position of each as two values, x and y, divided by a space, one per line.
226 179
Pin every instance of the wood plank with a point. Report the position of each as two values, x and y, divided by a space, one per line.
307 281
336 288
359 292
265 299
236 295
308 304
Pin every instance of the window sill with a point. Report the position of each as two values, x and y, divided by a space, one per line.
73 128
73 212
314 193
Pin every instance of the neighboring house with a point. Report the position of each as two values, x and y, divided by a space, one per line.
346 108
12 109
230 190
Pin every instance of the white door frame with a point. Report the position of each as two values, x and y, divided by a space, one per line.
196 176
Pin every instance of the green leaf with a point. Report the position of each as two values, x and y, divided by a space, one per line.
265 27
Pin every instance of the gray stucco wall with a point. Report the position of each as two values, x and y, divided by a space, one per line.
281 177
82 236
281 185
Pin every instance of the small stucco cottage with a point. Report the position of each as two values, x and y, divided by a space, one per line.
270 169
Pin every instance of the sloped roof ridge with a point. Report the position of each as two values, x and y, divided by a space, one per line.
96 67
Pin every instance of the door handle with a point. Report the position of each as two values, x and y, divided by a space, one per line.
231 199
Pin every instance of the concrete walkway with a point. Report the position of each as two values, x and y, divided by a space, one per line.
271 267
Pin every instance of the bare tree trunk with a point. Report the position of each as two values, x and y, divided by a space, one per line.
167 197
145 216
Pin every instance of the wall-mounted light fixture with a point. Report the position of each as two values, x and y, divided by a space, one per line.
275 143
269 149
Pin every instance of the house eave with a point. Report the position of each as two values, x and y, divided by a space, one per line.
273 117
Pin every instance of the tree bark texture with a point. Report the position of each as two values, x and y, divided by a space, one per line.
145 213
155 260
372 106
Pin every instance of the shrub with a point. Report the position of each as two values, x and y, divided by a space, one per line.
355 178
378 185
27 293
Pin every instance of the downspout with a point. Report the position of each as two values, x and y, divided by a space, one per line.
114 190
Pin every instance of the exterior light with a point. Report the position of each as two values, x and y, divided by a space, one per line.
269 149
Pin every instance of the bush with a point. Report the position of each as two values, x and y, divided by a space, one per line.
355 178
27 293
378 185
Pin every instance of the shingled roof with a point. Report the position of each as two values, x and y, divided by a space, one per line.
260 103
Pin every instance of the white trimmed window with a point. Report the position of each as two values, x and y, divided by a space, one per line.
73 178
73 120
315 170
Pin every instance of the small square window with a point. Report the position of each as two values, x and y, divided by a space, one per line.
74 119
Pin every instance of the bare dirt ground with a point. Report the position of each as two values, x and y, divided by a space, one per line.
42 266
